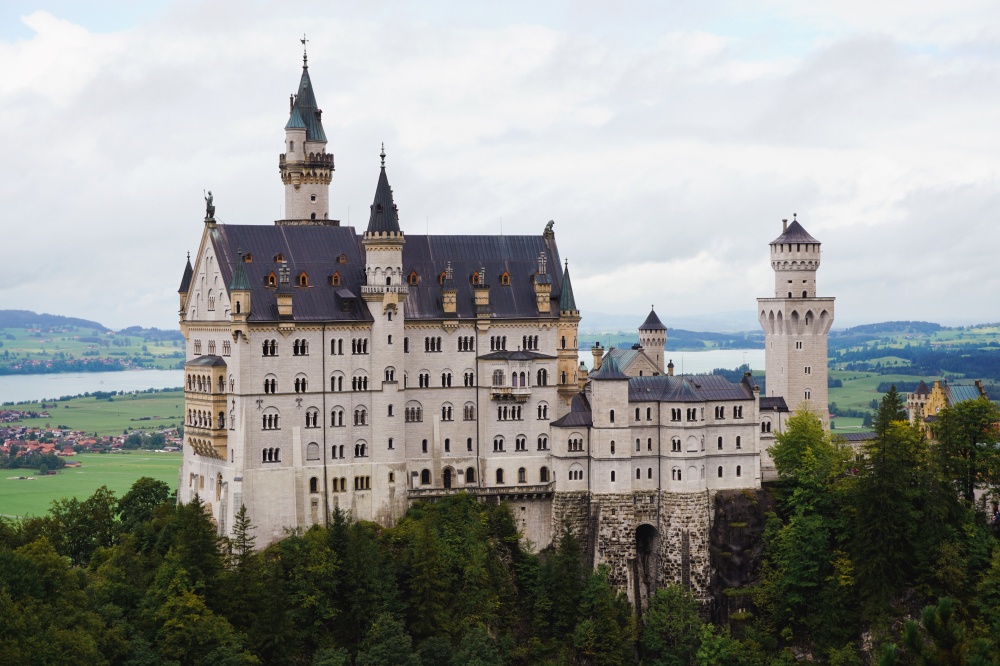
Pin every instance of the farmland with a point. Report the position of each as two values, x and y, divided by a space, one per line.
104 416
117 471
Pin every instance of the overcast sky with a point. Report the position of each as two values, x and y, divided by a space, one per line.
666 139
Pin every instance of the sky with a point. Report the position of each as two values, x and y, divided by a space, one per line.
666 139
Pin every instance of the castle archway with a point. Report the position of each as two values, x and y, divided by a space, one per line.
644 575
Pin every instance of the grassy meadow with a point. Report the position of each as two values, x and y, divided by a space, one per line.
138 411
20 344
117 471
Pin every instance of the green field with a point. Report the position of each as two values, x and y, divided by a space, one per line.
158 411
117 471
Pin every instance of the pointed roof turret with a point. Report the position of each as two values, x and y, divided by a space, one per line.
305 112
794 233
652 322
567 302
384 216
186 279
240 282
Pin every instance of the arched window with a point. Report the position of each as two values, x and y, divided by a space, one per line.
738 441
425 477
612 476
636 413
303 280
414 279
612 416
500 476
470 475
335 279
720 443
312 451
543 475
720 471
739 470
505 279
313 485
522 475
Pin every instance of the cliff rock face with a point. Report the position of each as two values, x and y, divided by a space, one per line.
736 546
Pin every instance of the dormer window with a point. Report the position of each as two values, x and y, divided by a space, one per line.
505 279
414 279
442 277
378 208
342 259
475 278
303 280
248 258
272 280
335 279
279 258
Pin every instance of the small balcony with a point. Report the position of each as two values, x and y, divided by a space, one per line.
515 393
500 492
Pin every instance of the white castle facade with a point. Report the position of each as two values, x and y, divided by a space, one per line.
328 369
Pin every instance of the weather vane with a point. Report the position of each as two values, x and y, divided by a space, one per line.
304 41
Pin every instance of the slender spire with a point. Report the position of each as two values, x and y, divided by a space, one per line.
305 56
186 279
305 113
384 215
239 281
567 303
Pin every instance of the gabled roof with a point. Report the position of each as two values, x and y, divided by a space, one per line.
652 323
384 216
305 112
776 404
567 302
690 388
794 234
186 279
609 369
314 250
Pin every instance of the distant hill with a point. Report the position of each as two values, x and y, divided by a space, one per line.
29 319
892 327
151 334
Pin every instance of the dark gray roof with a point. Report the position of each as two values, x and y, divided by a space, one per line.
305 112
186 278
428 256
857 436
652 323
774 404
315 251
206 361
519 355
794 234
922 389
689 388
567 302
609 368
384 216
579 415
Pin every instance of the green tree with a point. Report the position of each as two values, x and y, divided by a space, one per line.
387 644
717 648
603 636
672 626
967 438
79 528
137 505
476 649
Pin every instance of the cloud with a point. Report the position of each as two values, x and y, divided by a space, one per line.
667 145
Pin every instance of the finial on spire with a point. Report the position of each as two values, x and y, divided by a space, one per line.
305 56
795 216
189 255
382 154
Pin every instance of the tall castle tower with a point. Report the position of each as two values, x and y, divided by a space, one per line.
568 326
306 167
796 323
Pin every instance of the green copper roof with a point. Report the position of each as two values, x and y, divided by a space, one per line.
240 281
567 303
609 368
305 112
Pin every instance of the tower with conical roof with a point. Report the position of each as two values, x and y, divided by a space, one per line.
653 338
568 326
306 168
796 323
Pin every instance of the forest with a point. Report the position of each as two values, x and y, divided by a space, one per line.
885 558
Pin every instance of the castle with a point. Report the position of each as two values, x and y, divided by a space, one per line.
327 369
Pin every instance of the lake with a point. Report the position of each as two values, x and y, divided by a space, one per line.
20 388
